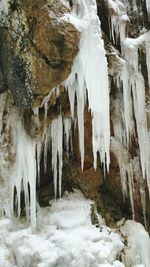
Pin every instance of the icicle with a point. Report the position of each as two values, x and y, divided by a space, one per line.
147 46
143 201
126 170
80 114
128 113
123 161
138 89
118 120
118 146
67 132
38 159
57 151
47 139
131 187
24 172
2 106
36 111
133 84
71 87
117 21
90 68
148 6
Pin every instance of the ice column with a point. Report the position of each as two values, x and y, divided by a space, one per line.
57 151
90 73
23 176
148 6
147 47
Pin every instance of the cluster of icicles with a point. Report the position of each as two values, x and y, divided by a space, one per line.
130 112
89 78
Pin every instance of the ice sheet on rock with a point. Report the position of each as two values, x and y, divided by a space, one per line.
138 249
90 72
62 238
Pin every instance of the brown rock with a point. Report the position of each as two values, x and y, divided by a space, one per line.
37 49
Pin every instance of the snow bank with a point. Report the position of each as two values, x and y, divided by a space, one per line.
65 237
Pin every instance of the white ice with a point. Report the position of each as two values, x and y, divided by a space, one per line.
138 249
65 237
57 151
90 73
23 174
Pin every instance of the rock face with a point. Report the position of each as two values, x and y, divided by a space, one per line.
37 49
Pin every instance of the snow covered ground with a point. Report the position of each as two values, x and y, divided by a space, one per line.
65 237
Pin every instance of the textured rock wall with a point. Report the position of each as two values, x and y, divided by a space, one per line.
37 48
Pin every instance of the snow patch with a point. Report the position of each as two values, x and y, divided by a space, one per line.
65 237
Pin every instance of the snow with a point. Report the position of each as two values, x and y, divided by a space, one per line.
90 73
65 237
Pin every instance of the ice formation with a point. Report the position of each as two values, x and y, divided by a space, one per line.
133 114
89 74
137 252
57 151
118 20
148 6
63 236
88 82
20 176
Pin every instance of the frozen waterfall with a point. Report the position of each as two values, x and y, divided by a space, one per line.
90 75
87 84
